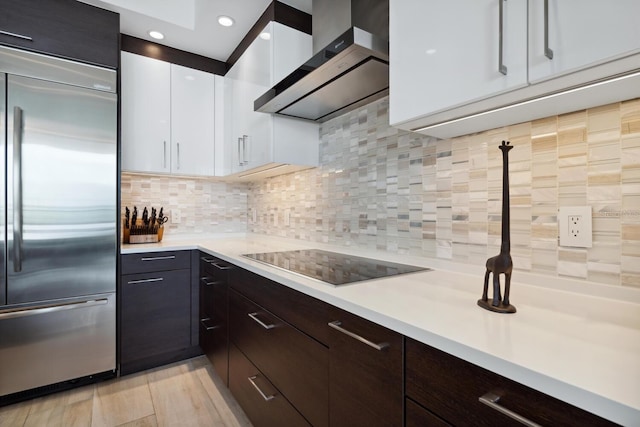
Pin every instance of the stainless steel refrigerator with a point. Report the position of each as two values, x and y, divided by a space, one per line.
58 174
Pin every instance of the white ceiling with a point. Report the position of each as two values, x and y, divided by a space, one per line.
192 25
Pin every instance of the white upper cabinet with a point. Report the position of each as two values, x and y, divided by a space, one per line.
447 53
192 121
146 114
259 140
168 117
580 33
458 67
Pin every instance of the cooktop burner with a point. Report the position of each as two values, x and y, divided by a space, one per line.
332 267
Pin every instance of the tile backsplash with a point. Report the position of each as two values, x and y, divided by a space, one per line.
205 206
382 188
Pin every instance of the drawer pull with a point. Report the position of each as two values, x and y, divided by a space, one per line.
207 260
133 282
207 327
264 396
221 267
336 325
205 281
158 258
492 399
16 35
260 322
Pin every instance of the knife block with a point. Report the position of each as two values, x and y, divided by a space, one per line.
139 233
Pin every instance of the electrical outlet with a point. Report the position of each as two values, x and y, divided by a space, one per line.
255 216
574 226
176 216
287 217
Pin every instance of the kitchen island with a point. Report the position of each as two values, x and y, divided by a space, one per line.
576 341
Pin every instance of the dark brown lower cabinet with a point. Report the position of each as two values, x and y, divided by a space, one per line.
451 388
365 373
156 319
263 403
213 317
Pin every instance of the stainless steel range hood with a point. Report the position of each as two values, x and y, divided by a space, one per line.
349 69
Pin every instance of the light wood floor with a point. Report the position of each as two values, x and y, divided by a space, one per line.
186 393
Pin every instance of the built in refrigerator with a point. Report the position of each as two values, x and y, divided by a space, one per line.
58 174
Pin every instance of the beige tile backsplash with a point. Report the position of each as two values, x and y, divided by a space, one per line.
386 189
382 188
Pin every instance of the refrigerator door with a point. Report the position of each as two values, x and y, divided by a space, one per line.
3 145
53 343
61 191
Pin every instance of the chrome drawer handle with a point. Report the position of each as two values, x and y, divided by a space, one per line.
207 327
492 399
133 282
45 309
158 258
336 325
260 322
205 281
207 260
19 36
264 396
221 267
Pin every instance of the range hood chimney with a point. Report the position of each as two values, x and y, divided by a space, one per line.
350 66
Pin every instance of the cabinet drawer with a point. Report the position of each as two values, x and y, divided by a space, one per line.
263 403
417 416
155 261
365 385
295 363
156 314
64 28
451 388
215 268
302 311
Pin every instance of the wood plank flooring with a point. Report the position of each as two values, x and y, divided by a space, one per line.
187 393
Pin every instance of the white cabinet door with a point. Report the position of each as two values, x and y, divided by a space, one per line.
250 137
581 33
146 114
447 53
192 121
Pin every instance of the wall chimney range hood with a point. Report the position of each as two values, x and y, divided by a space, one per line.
349 69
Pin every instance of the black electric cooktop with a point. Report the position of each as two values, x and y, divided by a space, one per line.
332 267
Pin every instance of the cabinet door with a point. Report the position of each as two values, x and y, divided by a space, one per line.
156 314
581 33
146 114
192 121
446 54
65 28
365 373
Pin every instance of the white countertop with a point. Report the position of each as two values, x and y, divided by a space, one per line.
582 348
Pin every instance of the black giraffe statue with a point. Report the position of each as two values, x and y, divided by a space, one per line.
501 263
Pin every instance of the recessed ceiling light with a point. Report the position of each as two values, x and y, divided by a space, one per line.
156 34
225 21
265 36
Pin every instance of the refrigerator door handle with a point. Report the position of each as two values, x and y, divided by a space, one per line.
31 311
17 188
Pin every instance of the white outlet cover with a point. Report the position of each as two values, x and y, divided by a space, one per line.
584 236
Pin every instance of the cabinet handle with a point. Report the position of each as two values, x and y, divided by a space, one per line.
207 327
133 282
501 67
547 51
336 325
164 154
19 36
205 280
245 161
18 130
260 322
264 396
240 156
221 267
178 155
207 260
44 309
158 258
491 400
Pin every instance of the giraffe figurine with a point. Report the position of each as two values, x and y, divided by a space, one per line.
501 263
